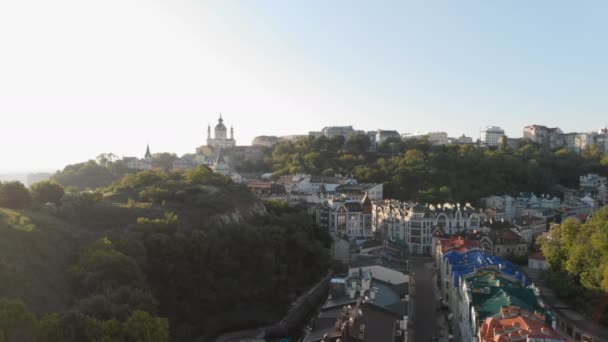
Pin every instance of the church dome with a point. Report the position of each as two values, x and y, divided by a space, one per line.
220 125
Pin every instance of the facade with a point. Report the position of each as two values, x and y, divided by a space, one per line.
265 140
345 131
316 184
383 135
438 138
133 163
184 163
349 219
461 140
220 138
530 227
503 239
490 135
592 180
537 261
543 135
505 204
413 224
266 189
293 137
358 191
512 143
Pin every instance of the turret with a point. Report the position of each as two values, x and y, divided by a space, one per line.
231 133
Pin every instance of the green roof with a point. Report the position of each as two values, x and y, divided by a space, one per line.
502 292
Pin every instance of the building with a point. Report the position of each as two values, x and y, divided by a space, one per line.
358 191
461 140
185 163
502 239
438 138
412 224
514 324
444 244
314 184
369 304
384 135
543 135
220 137
293 137
266 189
134 163
490 135
530 227
536 261
265 140
349 219
334 131
476 285
592 180
500 204
512 143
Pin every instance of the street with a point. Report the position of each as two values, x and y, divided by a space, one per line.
425 302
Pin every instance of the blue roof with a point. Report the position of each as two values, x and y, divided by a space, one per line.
469 262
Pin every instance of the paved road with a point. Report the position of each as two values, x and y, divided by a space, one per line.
425 303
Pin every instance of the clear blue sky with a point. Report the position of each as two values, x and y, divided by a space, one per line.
78 78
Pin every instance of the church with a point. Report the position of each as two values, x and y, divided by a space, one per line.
220 139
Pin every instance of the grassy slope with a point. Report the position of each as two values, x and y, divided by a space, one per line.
35 249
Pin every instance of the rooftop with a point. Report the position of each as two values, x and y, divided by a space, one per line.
514 324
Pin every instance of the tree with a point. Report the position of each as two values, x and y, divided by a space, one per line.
17 323
358 143
14 195
47 191
50 329
143 327
164 160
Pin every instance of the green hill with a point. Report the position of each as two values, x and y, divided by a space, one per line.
35 251
194 248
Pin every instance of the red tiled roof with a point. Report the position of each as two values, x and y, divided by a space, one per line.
516 328
458 244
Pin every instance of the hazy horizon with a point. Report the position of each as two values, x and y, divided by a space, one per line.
82 78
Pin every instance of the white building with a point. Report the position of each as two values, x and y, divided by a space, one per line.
592 180
220 139
345 131
135 163
490 135
413 224
537 261
349 219
383 135
543 135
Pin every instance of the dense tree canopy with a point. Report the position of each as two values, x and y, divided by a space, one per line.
14 195
152 247
47 191
577 254
415 170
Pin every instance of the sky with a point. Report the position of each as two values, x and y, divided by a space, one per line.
79 78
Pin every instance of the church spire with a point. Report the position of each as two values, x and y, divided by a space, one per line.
220 119
231 132
148 154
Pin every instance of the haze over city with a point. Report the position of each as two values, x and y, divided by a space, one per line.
84 78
